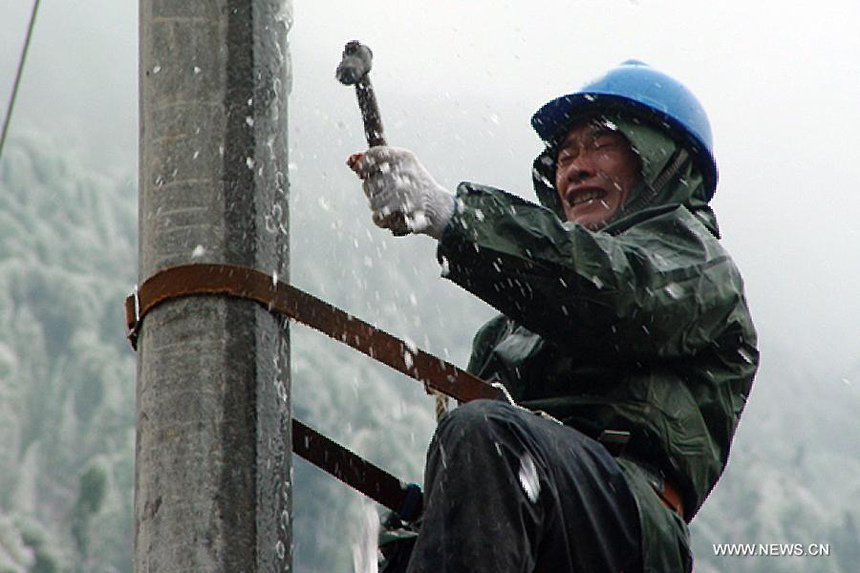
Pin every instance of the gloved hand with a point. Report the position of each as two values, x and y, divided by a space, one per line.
403 196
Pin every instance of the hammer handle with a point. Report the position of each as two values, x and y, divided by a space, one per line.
369 112
373 132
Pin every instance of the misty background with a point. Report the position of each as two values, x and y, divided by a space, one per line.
457 84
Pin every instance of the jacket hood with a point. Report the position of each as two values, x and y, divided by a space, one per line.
660 156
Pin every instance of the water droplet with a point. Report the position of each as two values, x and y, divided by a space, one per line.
270 224
674 290
250 121
198 252
156 69
282 551
442 456
197 70
249 161
746 356
410 344
528 477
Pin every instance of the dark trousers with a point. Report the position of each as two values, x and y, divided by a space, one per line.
507 491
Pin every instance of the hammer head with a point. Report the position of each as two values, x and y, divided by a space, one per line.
355 64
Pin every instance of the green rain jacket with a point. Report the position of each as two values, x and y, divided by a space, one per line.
641 327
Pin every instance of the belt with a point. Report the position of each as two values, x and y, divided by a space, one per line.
615 442
665 490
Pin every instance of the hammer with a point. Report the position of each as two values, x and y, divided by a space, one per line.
354 69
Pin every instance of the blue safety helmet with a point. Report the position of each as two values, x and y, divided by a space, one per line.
642 91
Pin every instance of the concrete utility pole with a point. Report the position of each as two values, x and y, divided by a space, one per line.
213 460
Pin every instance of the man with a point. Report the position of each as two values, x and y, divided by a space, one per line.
623 319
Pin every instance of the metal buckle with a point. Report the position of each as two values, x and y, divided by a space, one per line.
134 329
615 441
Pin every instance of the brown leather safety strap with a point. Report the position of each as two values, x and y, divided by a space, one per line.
288 301
328 455
357 472
670 497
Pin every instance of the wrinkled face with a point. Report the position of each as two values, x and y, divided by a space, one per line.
595 172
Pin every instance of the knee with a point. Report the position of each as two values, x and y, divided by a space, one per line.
474 419
476 412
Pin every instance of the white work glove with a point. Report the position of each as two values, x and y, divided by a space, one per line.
403 196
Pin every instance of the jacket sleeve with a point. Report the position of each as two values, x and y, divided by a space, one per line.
662 288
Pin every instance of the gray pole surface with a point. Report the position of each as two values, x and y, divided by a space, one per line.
213 452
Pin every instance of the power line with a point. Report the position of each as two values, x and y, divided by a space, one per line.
18 75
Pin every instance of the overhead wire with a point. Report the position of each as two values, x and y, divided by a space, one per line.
18 75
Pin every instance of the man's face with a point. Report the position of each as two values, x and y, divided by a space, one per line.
595 171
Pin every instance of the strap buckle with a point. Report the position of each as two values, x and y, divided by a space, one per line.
615 441
132 316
